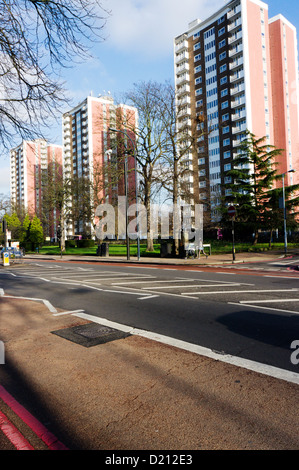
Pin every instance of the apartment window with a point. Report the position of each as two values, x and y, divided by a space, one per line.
223 80
196 35
221 31
223 68
198 92
221 20
197 69
198 80
210 44
224 105
225 130
209 33
222 43
199 103
201 161
197 46
226 154
197 57
226 142
224 92
225 117
222 56
227 167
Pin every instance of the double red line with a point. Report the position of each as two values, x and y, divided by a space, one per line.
14 435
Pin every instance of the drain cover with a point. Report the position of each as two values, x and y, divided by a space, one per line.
91 334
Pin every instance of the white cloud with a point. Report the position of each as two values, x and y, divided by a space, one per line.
149 27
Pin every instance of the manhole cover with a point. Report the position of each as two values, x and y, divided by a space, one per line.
91 334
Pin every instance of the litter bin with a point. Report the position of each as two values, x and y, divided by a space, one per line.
103 249
165 249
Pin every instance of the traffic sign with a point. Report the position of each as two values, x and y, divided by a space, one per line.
231 211
5 258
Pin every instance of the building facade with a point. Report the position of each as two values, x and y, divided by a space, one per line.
29 165
236 71
91 150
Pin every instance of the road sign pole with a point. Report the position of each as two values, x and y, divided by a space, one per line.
232 212
233 236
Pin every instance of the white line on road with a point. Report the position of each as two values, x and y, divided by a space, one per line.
244 292
264 308
152 281
226 358
108 279
193 286
266 301
282 277
148 297
222 272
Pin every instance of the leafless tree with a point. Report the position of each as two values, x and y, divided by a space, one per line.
37 38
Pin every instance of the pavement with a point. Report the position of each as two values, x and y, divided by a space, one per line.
130 393
213 259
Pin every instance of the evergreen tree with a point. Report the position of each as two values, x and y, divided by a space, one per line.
252 177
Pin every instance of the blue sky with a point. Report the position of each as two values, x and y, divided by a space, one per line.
138 47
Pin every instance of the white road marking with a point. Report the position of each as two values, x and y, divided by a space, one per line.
283 277
193 286
264 308
148 297
226 358
231 274
151 281
266 301
245 292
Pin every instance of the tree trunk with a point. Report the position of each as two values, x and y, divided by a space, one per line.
147 202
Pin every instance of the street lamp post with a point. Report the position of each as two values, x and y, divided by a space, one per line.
284 212
126 190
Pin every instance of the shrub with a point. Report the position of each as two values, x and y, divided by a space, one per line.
85 243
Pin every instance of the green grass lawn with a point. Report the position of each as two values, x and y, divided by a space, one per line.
217 247
114 250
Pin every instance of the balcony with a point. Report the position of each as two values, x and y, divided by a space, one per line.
184 67
238 129
235 37
238 115
183 78
234 12
235 24
238 75
183 56
184 123
236 50
236 63
237 89
238 102
181 46
183 90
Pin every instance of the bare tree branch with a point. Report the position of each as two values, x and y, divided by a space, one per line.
37 38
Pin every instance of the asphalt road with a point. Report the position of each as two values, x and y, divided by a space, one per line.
248 314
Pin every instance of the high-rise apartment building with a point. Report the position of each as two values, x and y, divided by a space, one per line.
88 145
238 71
29 163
